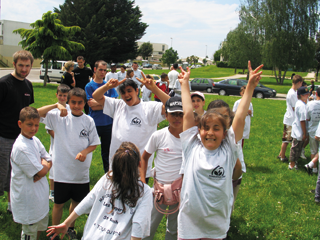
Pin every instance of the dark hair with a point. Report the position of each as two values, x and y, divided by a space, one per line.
124 67
134 63
126 83
63 88
80 58
149 76
96 64
28 113
219 103
296 79
78 92
128 72
210 114
243 88
175 66
23 55
124 176
164 75
304 84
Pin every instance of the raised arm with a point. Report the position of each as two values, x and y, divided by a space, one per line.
144 165
242 111
188 117
98 94
45 109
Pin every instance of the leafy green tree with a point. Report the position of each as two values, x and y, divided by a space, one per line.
317 55
286 31
194 59
216 56
109 28
146 50
204 61
169 57
49 39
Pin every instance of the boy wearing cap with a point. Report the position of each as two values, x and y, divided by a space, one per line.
299 130
198 102
166 143
113 73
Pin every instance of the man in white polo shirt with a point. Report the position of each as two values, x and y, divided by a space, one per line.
173 76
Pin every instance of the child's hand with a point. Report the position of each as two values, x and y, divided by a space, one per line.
56 230
113 83
63 110
36 178
81 156
249 112
93 103
148 82
254 75
184 76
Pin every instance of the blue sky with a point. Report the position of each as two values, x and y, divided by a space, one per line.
196 27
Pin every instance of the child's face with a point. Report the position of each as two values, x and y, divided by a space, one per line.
29 127
197 103
212 134
130 96
175 119
225 113
122 70
62 97
76 105
131 74
304 97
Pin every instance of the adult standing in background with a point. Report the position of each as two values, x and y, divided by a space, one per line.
137 74
82 76
173 77
16 92
68 76
113 74
122 74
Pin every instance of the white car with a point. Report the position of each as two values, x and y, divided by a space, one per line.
156 66
55 71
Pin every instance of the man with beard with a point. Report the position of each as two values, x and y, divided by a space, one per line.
16 92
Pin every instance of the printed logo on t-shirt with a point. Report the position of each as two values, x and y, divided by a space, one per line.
27 94
136 121
84 133
217 173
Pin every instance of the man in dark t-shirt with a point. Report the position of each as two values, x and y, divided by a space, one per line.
82 76
16 92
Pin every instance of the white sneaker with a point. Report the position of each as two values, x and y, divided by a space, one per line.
51 197
302 155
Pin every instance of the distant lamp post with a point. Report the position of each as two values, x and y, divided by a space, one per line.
171 42
206 51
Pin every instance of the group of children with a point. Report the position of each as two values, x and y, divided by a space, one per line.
120 205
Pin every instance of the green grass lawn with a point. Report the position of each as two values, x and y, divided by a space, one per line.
273 202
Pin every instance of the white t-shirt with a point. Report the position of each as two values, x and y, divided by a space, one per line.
246 130
72 134
137 74
169 155
207 192
29 200
121 75
101 224
300 113
173 77
145 94
111 75
291 100
132 124
313 115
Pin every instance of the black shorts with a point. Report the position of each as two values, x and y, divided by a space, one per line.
65 191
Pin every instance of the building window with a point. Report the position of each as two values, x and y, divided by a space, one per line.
162 48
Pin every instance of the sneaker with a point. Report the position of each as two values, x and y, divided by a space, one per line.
313 191
302 155
290 168
308 169
51 197
72 234
284 159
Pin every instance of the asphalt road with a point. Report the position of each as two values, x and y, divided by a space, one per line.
35 72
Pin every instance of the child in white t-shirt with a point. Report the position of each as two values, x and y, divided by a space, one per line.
146 93
29 186
198 102
246 130
210 165
166 143
299 131
133 120
75 139
62 95
119 205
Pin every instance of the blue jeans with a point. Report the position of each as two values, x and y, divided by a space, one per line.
105 133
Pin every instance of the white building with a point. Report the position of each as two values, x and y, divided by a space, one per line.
158 51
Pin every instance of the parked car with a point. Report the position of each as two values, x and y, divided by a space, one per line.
232 87
156 66
156 77
202 84
198 66
193 66
55 71
147 65
140 67
128 65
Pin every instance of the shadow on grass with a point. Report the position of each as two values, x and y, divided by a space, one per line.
261 169
235 233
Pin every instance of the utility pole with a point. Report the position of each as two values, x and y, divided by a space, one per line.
171 39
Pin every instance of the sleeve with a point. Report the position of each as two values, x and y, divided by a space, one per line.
154 111
49 120
89 91
28 163
32 94
308 112
141 222
151 146
189 140
251 108
234 147
66 79
292 100
43 153
235 106
90 73
93 135
182 164
110 105
302 113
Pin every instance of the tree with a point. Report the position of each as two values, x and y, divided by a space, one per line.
169 57
317 55
287 31
49 39
109 28
146 50
216 56
193 59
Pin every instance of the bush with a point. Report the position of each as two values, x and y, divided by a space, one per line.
222 64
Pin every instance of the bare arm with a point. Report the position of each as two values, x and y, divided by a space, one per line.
45 109
134 238
51 133
144 165
237 171
46 167
95 106
98 94
81 156
242 111
63 227
304 130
